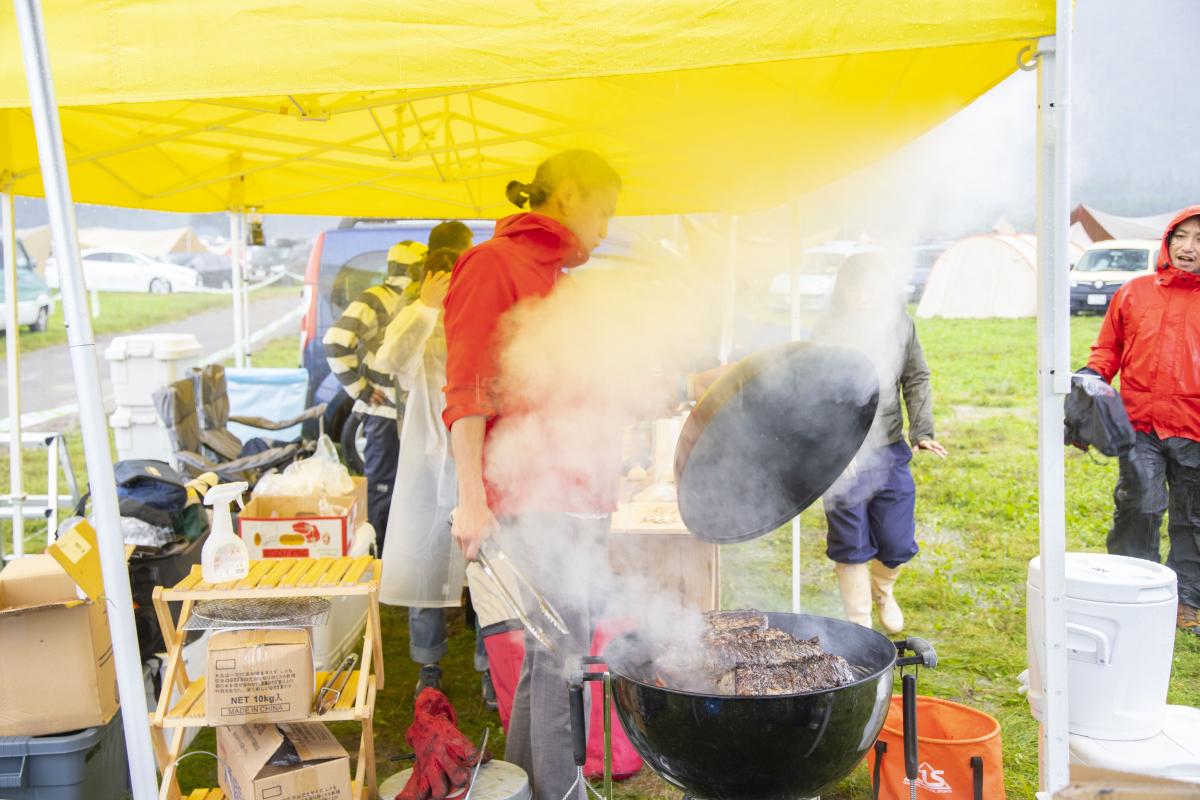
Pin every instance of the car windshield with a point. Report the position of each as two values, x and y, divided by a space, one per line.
821 263
1112 260
268 255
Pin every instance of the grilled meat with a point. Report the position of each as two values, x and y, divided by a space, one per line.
753 647
823 671
742 656
727 621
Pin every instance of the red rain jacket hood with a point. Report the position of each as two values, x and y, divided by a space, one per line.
1151 336
524 260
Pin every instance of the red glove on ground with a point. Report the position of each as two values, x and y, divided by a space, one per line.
444 757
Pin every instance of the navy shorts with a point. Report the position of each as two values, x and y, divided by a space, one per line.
871 515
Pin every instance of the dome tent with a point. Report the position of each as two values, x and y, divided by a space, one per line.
985 276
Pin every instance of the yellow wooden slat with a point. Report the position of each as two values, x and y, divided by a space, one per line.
356 571
346 701
188 700
334 574
191 580
272 578
296 572
257 570
215 794
199 794
202 586
316 571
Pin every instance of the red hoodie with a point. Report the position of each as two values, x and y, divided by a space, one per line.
523 260
1151 335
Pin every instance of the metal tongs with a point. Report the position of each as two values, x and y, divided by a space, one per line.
335 684
491 554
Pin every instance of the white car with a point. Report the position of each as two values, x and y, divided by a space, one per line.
35 301
109 270
1105 267
815 276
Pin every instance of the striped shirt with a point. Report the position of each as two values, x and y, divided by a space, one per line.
351 342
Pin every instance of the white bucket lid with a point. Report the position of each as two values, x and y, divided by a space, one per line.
132 417
1106 578
162 346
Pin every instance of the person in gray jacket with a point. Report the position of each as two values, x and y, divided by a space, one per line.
870 510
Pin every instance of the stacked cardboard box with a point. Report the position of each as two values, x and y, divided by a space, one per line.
56 655
260 686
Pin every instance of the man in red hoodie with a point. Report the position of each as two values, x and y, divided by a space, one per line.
555 519
1151 336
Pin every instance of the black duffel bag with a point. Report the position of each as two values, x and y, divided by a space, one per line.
1094 415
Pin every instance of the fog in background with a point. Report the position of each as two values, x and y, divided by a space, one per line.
1136 124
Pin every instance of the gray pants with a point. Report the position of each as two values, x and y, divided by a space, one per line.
427 635
1157 476
561 555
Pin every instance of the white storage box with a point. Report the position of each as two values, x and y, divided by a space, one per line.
139 433
341 634
143 363
1120 639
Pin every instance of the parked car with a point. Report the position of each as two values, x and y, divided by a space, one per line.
35 301
924 256
344 262
815 276
1105 267
109 270
212 270
263 261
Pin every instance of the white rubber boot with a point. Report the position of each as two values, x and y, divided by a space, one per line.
854 580
883 578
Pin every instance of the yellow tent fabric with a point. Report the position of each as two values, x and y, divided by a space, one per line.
428 108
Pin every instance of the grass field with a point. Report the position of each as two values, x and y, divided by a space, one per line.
977 526
128 312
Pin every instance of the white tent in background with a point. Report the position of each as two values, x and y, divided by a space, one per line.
986 276
37 244
151 243
155 244
1099 225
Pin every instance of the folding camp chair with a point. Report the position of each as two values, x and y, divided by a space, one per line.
212 409
176 406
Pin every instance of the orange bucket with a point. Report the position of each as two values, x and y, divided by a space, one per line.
958 749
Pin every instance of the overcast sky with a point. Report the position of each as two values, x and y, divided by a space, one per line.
1136 137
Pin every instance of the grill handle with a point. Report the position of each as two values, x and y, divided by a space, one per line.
578 726
909 696
923 653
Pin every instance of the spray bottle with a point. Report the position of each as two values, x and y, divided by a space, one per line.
224 557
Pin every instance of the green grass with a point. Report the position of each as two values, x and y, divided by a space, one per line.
127 312
977 526
283 352
33 478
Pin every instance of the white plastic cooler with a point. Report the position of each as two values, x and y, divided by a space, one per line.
140 364
1120 638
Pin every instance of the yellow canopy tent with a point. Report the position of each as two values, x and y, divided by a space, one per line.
427 109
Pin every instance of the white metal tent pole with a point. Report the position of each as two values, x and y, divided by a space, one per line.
12 339
793 267
91 408
1054 382
728 310
245 249
235 264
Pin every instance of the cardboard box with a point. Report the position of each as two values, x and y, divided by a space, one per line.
1093 783
246 771
257 676
302 527
650 541
56 661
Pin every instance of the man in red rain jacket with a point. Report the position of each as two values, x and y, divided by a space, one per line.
1151 336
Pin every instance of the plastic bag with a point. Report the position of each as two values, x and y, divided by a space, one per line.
320 474
142 534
